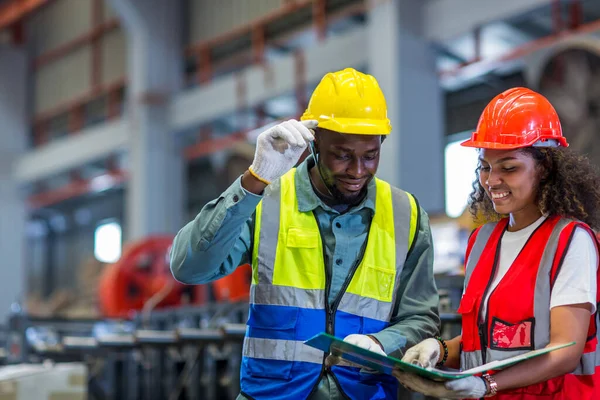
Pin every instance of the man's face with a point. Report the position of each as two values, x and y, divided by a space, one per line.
348 162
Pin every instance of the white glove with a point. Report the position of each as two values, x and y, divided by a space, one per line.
472 387
363 341
424 354
279 148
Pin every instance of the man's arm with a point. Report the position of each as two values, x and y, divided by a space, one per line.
416 314
218 240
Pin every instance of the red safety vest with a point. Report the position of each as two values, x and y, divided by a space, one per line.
518 310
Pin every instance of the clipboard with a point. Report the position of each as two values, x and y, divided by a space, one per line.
385 364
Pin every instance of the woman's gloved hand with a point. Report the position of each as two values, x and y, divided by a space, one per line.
472 387
279 148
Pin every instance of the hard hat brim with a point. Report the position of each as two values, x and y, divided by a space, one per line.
490 145
561 141
353 126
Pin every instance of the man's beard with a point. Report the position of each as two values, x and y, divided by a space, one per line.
342 198
335 194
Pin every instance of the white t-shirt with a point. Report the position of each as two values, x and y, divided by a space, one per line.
576 281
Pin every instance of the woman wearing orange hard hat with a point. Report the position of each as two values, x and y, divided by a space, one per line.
531 276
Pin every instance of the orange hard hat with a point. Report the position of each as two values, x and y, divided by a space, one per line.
518 117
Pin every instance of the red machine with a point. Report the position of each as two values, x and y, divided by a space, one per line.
234 287
142 278
142 273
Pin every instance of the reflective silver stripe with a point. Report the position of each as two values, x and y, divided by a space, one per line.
287 296
541 302
365 307
493 355
592 359
269 232
587 364
480 242
283 350
470 359
402 212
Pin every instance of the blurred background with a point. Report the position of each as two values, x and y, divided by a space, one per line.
121 119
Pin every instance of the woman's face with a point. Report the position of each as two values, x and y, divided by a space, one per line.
510 180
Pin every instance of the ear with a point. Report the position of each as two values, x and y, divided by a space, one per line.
316 143
543 170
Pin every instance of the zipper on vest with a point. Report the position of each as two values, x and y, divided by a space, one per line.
482 326
483 340
342 291
330 316
328 325
333 309
329 313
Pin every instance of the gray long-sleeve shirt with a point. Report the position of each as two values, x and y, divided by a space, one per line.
220 238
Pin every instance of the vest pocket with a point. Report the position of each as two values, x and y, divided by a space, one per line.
302 238
299 260
280 318
270 345
470 335
378 283
512 336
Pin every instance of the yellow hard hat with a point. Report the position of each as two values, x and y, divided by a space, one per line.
350 102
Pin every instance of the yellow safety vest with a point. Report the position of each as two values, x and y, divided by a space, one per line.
288 298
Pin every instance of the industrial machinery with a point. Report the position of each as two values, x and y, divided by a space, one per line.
142 279
158 339
568 74
178 353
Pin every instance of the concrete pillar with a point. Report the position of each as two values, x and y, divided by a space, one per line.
155 191
13 133
404 64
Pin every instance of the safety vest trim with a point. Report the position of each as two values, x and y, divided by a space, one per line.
283 350
286 296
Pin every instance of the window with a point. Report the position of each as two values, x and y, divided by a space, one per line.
107 242
460 165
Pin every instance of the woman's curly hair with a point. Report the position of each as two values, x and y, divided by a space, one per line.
569 186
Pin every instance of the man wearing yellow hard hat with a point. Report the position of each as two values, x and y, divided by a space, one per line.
333 249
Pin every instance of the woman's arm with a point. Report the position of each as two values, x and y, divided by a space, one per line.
567 324
453 360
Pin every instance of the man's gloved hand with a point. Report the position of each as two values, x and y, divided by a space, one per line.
472 387
424 354
279 148
364 341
